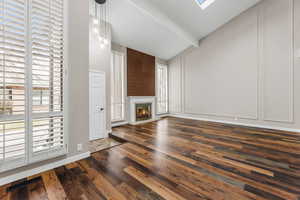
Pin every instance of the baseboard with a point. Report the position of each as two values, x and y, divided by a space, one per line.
37 170
118 124
144 122
163 115
157 117
236 123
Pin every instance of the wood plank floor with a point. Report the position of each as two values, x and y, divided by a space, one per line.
177 159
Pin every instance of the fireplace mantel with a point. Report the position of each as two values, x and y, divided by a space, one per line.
139 100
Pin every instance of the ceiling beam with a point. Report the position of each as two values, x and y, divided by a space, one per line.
160 18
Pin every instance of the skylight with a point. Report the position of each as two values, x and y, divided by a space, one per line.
204 3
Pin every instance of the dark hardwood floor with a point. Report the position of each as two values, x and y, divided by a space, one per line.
178 159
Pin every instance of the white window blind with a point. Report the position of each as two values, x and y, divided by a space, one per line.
31 81
47 75
117 86
12 82
162 88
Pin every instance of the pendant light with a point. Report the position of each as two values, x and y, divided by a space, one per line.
101 21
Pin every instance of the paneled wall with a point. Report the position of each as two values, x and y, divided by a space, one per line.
245 72
140 74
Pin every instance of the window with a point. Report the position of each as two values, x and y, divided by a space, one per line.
204 3
31 81
117 86
162 88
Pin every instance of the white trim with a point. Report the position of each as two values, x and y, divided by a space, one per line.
162 115
223 115
116 124
28 89
236 123
66 76
146 121
43 168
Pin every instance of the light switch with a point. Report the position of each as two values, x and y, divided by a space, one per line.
79 147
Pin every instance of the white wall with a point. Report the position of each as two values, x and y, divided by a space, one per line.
78 75
245 72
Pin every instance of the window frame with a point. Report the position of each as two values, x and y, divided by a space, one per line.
157 66
123 104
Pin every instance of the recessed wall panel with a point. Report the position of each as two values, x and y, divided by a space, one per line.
175 86
221 76
277 38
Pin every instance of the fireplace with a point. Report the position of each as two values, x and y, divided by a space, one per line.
143 111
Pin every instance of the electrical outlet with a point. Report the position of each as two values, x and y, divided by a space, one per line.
236 118
79 147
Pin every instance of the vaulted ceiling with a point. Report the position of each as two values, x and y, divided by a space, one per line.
164 28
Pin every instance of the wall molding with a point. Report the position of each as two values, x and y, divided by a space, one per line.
291 66
223 115
183 84
182 63
236 123
43 168
292 70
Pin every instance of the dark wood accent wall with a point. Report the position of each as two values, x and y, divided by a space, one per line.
140 74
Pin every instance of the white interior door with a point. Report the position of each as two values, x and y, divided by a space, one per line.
97 106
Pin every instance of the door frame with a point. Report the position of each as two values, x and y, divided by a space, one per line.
104 103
